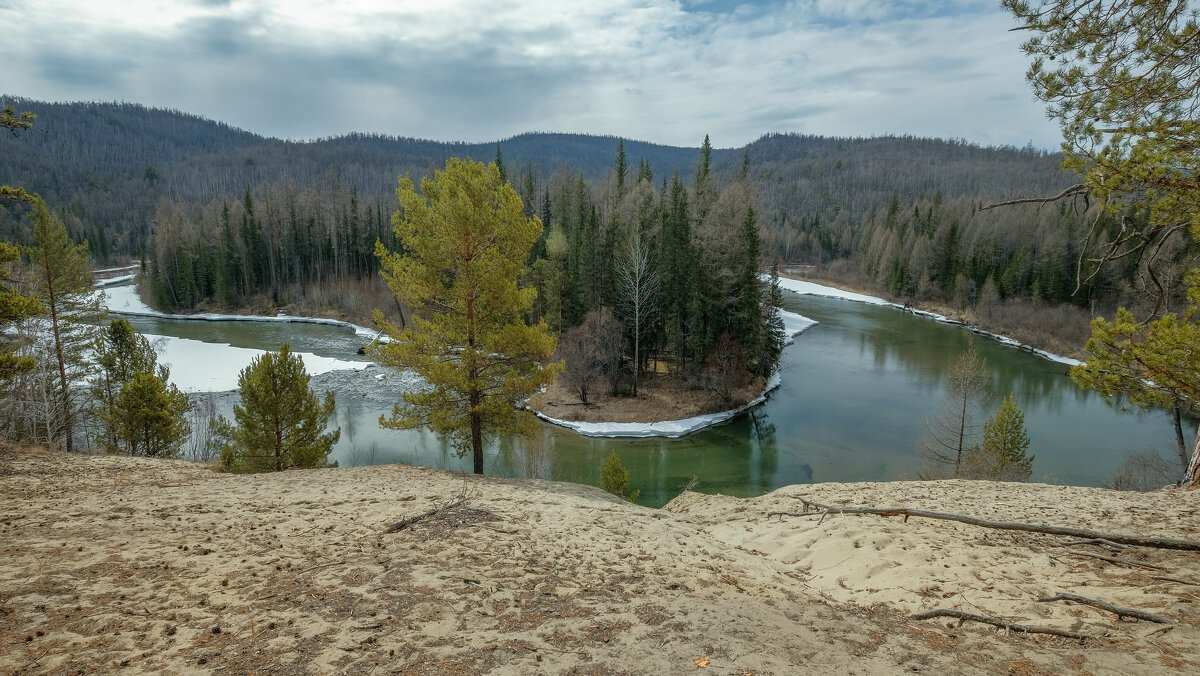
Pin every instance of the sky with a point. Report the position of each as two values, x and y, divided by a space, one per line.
665 71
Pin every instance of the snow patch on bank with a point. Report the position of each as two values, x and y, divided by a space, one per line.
811 289
197 366
793 324
124 300
114 280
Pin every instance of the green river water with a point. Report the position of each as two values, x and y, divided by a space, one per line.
855 391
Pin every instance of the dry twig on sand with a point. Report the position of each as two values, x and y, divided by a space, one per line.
811 508
1113 559
1003 624
1118 610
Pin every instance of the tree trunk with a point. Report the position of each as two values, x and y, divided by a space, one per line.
1192 477
1180 444
68 416
476 435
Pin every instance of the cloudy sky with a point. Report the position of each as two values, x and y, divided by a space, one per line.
667 71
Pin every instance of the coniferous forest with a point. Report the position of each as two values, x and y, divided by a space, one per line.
223 218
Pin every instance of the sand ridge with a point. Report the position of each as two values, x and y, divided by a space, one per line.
151 566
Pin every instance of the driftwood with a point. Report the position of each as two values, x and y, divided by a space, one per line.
1117 610
406 522
811 508
1004 624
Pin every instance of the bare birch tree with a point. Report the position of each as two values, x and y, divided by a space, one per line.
637 287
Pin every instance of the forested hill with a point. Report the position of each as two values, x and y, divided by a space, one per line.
107 166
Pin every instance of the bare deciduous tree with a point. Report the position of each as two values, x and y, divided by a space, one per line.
951 431
588 350
637 286
725 368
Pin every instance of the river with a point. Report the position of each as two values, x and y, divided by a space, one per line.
856 389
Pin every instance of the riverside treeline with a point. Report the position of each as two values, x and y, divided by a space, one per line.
233 219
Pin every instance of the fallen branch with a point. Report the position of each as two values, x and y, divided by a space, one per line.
1118 610
1099 542
811 508
405 523
1174 579
1113 559
319 565
1010 626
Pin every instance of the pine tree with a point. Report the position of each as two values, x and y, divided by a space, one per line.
62 282
1151 365
279 423
14 307
120 353
140 413
467 240
1003 454
149 416
614 478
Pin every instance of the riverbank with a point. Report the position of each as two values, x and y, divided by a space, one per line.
152 566
797 284
197 368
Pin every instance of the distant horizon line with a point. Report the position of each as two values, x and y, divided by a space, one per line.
14 99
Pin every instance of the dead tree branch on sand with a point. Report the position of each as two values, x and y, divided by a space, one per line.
1003 624
811 508
406 522
1118 610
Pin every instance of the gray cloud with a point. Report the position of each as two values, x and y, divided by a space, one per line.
648 69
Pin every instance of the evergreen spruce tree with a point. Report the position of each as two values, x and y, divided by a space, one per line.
774 336
746 323
500 165
279 423
622 169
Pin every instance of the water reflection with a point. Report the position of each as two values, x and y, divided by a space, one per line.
855 391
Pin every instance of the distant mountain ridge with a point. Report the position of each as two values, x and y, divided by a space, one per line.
107 165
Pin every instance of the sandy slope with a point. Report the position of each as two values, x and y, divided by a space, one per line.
159 566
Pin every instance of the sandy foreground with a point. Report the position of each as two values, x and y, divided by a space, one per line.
120 565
